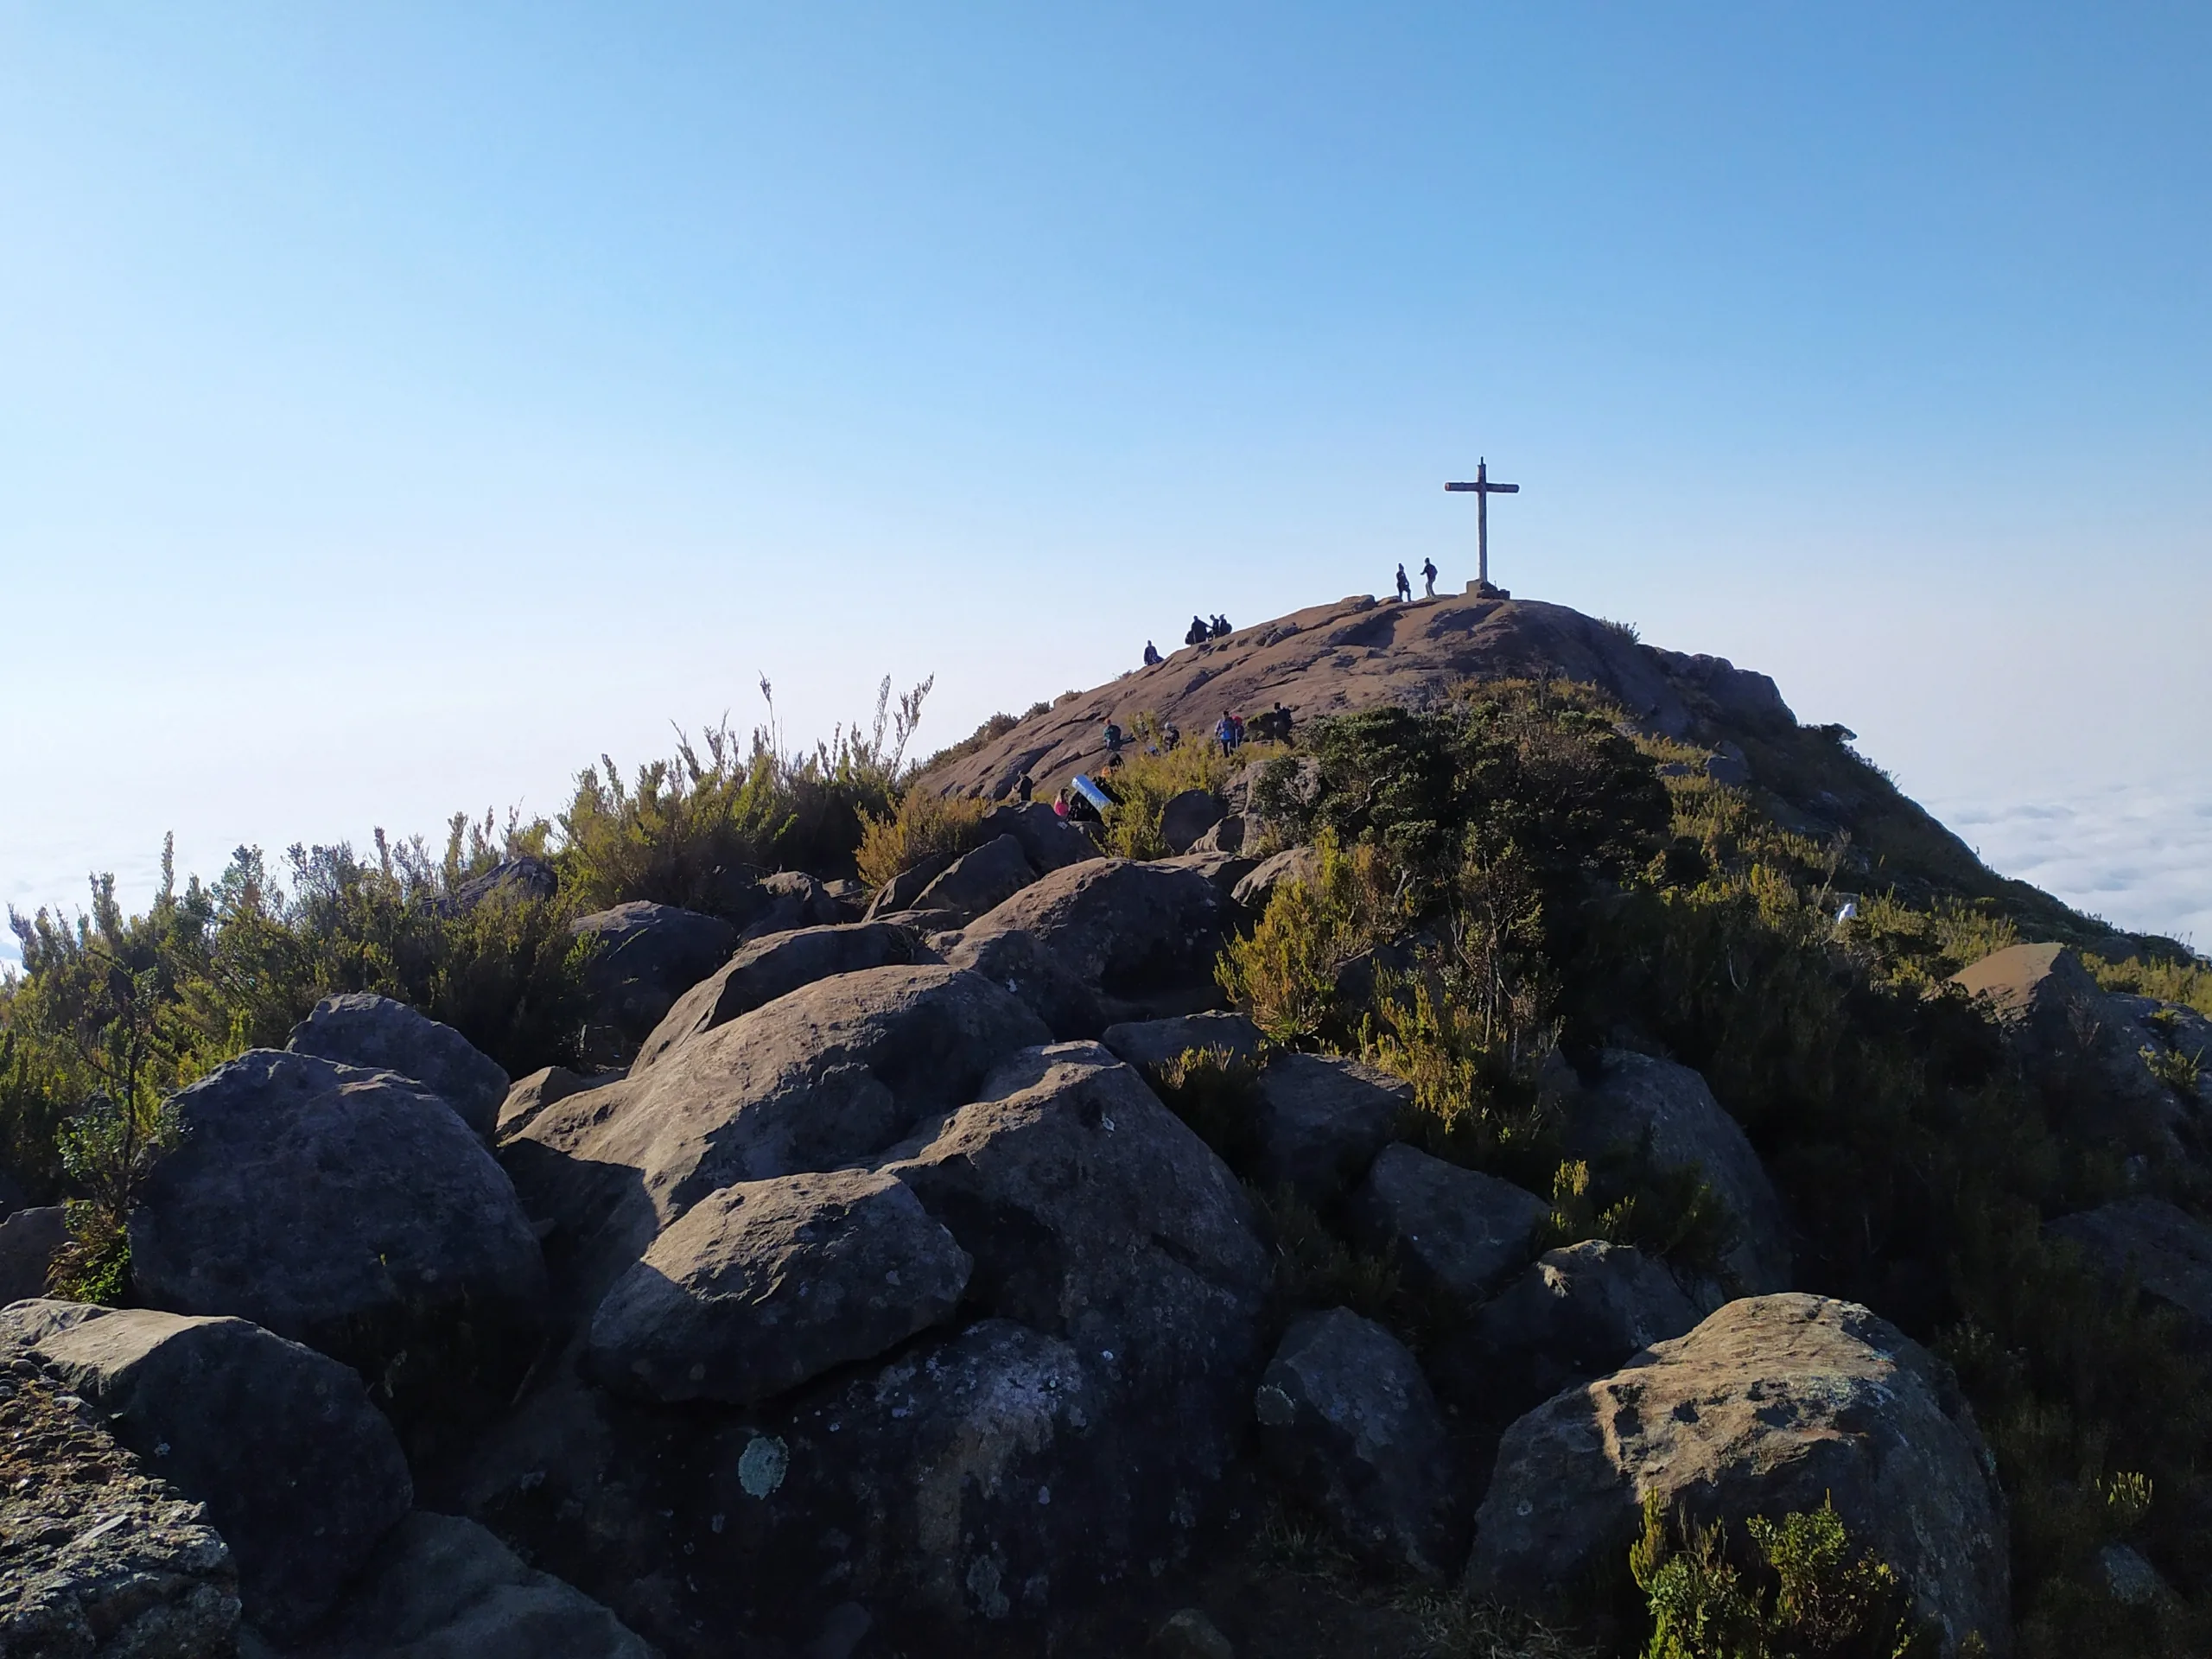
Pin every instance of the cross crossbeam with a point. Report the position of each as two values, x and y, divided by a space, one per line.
1483 489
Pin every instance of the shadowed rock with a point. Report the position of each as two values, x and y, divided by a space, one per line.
1188 816
1321 1122
2149 1242
379 1035
29 1239
773 967
1348 1421
647 956
978 882
1148 1045
300 1474
766 1284
1451 1229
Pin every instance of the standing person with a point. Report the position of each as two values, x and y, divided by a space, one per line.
1221 628
1405 585
1428 575
1237 731
1224 733
1025 787
1169 737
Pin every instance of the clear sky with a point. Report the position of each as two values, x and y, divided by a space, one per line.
402 404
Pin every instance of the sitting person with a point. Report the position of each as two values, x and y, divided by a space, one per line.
1197 632
1152 657
1221 628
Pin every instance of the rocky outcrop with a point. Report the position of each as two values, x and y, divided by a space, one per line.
901 890
1453 1230
764 1285
325 1479
976 882
792 900
1349 1423
1773 1404
1090 944
379 1035
1188 816
99 1558
773 967
645 956
1048 840
442 1587
1258 884
831 1074
29 1239
1573 1315
511 880
1321 1121
1644 1107
1150 1045
2149 1244
347 1210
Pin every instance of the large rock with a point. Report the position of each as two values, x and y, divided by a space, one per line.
831 1074
1048 840
1258 884
1188 816
901 890
379 1035
1641 1105
1773 1404
1150 1045
795 899
978 882
300 1473
442 1587
29 1239
2147 1242
511 880
1321 1122
1095 943
348 1209
1453 1230
1348 1420
766 1284
647 956
1575 1314
773 967
99 1558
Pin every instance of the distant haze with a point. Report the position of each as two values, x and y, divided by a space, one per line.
403 406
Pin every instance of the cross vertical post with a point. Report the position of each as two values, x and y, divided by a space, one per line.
1482 489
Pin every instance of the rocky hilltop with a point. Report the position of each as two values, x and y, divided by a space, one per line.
1477 1206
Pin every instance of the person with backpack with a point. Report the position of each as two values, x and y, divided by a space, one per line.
1114 738
1405 585
1221 628
1196 633
1428 574
1224 733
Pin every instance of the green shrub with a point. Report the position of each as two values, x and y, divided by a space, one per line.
922 825
1283 974
1808 1595
1217 1094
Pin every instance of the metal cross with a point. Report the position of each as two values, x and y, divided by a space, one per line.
1483 489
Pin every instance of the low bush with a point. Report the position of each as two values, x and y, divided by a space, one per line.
923 824
1283 975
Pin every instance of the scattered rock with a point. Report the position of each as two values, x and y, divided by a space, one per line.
511 880
547 1086
1321 1122
1728 766
348 1209
2149 1242
1091 944
1644 1105
1452 1229
2132 1581
1348 1420
796 900
1291 864
441 1587
300 1473
832 1073
978 882
1773 1404
1226 837
1189 1634
773 967
99 1559
379 1035
1577 1312
1149 1045
648 955
29 1239
766 1284
1188 816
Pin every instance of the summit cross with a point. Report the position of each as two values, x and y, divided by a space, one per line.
1483 489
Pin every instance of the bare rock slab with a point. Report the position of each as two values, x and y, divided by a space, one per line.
1322 1119
379 1035
442 1587
773 967
298 1472
1642 1104
1771 1405
1348 1420
766 1284
347 1210
99 1558
547 1086
1452 1229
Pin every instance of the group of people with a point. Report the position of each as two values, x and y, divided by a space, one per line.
1428 575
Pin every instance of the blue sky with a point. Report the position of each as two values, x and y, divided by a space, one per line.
401 405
